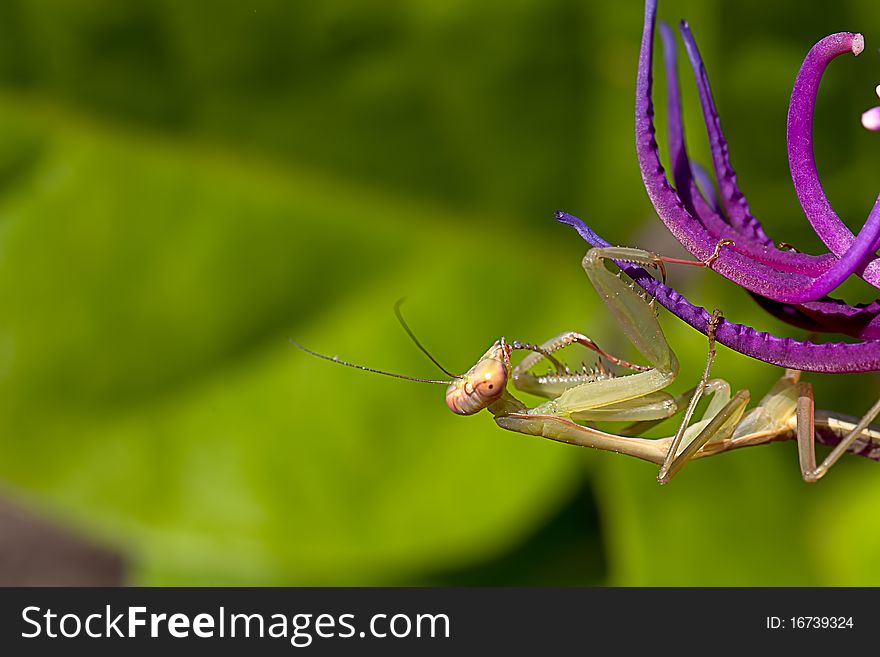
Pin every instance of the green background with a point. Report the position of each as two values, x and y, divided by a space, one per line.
185 184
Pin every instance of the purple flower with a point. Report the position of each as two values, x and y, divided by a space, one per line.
790 285
752 262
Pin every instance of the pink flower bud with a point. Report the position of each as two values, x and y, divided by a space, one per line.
871 119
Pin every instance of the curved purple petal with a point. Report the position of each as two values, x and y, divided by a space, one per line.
750 240
859 321
681 166
756 277
732 199
682 170
706 186
832 231
831 357
828 316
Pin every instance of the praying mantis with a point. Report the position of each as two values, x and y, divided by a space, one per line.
790 285
599 395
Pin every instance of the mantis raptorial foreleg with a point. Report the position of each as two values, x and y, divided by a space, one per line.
520 372
649 406
633 312
638 321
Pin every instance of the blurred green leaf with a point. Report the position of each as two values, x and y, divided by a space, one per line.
459 103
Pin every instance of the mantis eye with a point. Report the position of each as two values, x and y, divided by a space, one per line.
489 378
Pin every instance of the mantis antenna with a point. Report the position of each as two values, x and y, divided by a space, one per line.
334 359
412 336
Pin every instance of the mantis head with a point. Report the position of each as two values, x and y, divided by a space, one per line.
483 384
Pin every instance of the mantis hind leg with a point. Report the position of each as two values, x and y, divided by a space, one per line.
806 436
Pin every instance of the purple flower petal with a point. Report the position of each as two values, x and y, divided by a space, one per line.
828 316
732 199
706 186
801 161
